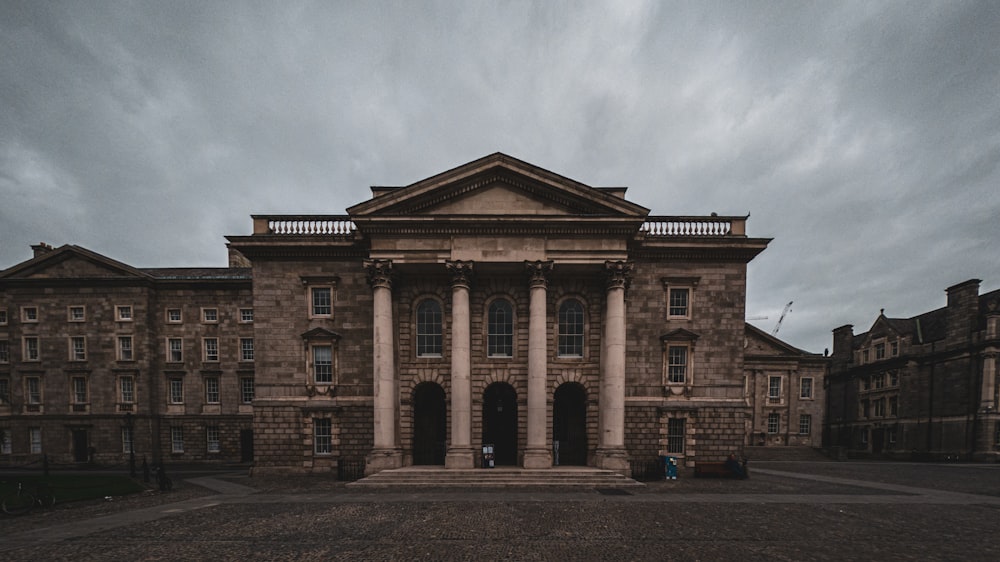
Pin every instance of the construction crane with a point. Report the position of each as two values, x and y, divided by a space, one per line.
788 308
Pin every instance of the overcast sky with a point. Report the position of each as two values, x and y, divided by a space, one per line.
864 137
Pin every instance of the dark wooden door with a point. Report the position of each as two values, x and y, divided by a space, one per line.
500 423
81 446
569 424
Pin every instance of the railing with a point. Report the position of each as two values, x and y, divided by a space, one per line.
662 226
304 225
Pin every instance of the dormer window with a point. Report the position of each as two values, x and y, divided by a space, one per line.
880 351
894 349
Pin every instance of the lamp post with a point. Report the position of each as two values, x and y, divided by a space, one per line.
130 423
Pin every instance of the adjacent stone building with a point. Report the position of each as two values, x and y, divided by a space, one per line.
496 304
98 357
920 387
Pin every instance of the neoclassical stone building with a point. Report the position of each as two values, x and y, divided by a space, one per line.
497 303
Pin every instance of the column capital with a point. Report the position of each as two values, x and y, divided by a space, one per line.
538 272
619 274
461 272
379 273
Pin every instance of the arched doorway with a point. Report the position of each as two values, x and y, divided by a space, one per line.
569 424
500 422
430 424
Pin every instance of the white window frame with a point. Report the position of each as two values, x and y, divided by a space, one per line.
77 348
313 364
179 350
126 352
176 439
210 315
674 366
428 343
774 391
126 390
127 440
806 388
124 313
79 390
175 390
246 349
246 315
212 392
496 341
29 314
568 342
31 346
247 389
676 435
212 445
680 290
33 396
170 319
773 423
210 350
322 442
805 424
71 311
313 306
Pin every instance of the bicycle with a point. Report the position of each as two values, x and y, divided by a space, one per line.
22 501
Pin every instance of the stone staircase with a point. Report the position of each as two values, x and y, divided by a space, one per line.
556 478
791 453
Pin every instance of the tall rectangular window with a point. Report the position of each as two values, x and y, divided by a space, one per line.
774 388
5 448
4 351
125 348
428 328
212 439
678 302
806 389
675 436
31 349
805 424
246 390
211 349
322 301
175 350
33 390
571 329
500 329
78 348
79 390
322 363
773 422
3 316
35 439
246 349
176 439
4 391
212 390
879 351
176 390
322 436
677 364
126 391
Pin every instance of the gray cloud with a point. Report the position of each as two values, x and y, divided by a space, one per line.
864 137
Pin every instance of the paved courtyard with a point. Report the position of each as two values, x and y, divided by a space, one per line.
787 511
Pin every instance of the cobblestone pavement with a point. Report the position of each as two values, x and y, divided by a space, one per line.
787 511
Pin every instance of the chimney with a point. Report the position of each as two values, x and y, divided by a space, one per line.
41 249
963 310
843 346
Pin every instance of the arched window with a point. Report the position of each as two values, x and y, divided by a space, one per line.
429 328
571 329
500 326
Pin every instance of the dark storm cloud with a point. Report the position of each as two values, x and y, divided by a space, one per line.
864 137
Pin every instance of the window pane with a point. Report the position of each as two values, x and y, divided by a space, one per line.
323 363
321 301
429 328
678 302
571 329
773 421
500 335
322 435
246 389
675 435
676 364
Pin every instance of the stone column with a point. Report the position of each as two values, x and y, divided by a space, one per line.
611 421
386 452
460 451
537 453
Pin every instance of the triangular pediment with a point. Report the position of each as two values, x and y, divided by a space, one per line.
72 262
883 327
760 343
497 185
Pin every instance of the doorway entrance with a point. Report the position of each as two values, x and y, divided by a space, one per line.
569 424
246 445
430 424
81 447
500 422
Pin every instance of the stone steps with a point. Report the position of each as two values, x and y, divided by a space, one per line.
439 477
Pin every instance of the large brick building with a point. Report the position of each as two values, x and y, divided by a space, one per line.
495 303
920 387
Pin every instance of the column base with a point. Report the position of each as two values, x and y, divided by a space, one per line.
537 458
612 459
460 457
383 459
